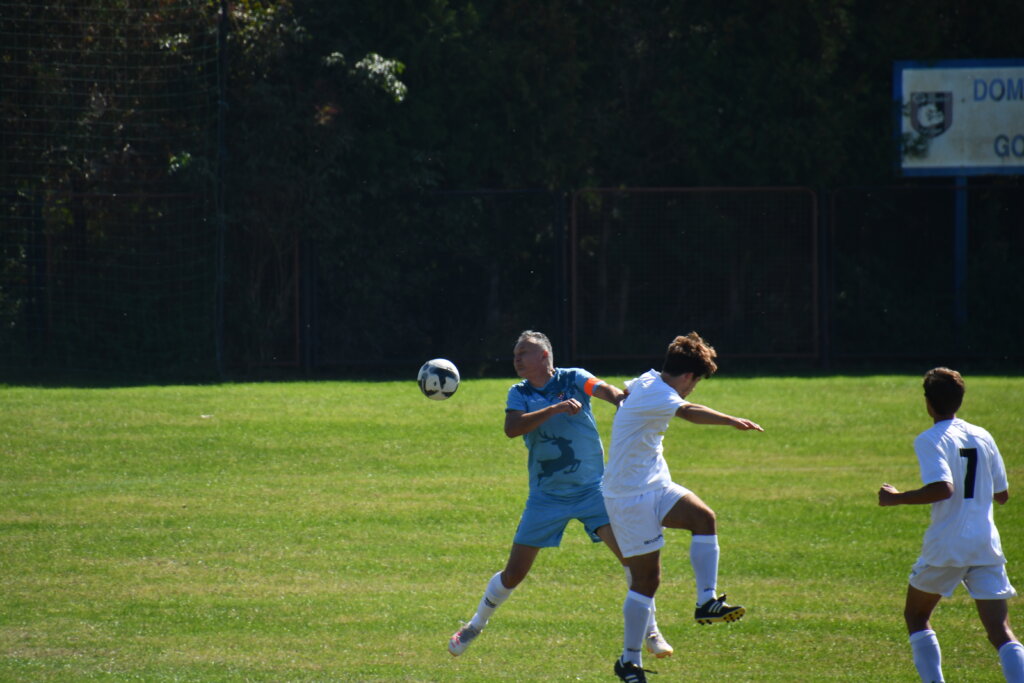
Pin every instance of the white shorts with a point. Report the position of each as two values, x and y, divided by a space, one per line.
636 520
987 582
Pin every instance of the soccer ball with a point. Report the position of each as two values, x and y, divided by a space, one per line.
438 379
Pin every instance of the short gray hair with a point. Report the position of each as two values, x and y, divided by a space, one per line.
540 339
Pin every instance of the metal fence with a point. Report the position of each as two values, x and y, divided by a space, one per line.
739 265
904 285
108 238
611 275
454 274
119 257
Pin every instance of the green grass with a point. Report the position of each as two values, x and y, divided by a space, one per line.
341 530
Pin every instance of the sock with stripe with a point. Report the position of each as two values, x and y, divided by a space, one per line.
494 595
652 624
636 612
704 558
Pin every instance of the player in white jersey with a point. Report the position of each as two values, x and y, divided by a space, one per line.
962 472
642 499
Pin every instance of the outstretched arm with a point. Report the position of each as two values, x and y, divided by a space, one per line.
702 415
607 392
889 495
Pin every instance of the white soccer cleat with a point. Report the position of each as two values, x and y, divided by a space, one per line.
461 639
658 646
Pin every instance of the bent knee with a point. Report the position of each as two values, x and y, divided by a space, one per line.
646 585
705 522
645 580
916 620
510 578
1000 635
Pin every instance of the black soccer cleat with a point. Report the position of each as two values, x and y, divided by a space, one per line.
630 672
716 611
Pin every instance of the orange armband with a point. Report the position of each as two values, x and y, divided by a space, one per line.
590 385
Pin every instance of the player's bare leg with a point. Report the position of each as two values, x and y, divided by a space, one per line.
520 560
917 611
995 616
924 644
693 514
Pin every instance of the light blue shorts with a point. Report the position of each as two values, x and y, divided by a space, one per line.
545 517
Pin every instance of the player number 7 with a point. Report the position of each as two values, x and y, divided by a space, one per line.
972 469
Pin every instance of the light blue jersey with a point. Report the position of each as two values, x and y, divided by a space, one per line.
566 458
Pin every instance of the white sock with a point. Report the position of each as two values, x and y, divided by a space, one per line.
652 624
927 656
1011 656
704 558
494 595
636 612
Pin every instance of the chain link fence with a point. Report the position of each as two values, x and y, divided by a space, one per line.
107 248
896 291
114 262
739 265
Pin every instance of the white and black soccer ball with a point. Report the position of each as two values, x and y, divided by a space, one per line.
438 379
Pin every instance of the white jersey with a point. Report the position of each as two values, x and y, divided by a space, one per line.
635 460
962 531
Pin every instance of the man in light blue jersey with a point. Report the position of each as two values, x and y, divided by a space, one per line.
962 472
550 409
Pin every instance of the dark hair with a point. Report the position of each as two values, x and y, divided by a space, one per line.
690 354
944 389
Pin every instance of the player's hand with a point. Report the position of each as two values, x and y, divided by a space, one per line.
745 425
571 406
887 495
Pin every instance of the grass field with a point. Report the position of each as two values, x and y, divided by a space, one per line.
341 531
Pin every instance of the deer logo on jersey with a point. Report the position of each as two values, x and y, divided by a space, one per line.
566 462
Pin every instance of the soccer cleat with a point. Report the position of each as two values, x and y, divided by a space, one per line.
630 672
461 639
658 646
715 611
